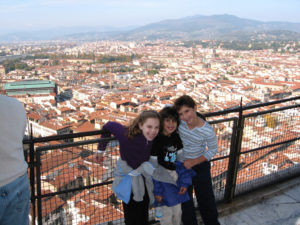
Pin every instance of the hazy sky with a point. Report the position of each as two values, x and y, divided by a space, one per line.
20 15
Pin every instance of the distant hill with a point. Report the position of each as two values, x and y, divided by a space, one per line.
216 27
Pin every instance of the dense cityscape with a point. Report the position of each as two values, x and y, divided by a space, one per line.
91 83
72 87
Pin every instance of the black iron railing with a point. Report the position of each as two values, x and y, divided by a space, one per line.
258 146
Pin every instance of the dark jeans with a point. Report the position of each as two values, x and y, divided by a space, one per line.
205 197
137 213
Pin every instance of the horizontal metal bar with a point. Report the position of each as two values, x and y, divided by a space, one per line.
231 119
243 108
63 136
73 144
72 190
271 111
271 145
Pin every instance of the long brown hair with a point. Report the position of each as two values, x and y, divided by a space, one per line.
134 129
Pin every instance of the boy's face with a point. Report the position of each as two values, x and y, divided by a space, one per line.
169 126
150 128
188 114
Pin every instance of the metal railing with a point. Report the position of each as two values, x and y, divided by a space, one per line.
258 146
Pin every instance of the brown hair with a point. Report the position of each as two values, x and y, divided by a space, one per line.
188 101
134 129
184 100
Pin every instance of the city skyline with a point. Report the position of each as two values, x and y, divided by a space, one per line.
69 96
20 16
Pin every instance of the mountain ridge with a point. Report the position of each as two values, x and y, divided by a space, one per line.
197 27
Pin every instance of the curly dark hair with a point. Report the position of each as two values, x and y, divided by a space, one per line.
169 112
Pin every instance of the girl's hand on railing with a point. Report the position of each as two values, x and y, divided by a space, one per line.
100 157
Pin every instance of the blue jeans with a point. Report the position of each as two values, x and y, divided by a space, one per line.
202 186
14 202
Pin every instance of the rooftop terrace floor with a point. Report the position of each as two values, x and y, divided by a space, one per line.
278 204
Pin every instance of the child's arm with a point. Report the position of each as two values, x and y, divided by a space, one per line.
113 128
212 144
212 148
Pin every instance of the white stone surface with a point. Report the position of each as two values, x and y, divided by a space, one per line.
282 208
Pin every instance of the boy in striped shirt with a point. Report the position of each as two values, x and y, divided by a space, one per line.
199 147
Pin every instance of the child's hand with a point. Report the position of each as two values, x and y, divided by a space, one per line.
189 163
100 157
158 198
182 190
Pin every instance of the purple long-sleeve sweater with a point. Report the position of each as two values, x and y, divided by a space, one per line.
134 151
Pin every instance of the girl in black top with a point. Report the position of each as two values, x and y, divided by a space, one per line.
170 190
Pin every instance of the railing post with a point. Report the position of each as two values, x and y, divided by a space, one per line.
32 177
38 187
233 163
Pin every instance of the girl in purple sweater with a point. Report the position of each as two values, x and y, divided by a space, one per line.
135 147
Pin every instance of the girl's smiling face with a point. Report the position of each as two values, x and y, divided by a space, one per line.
150 128
169 126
